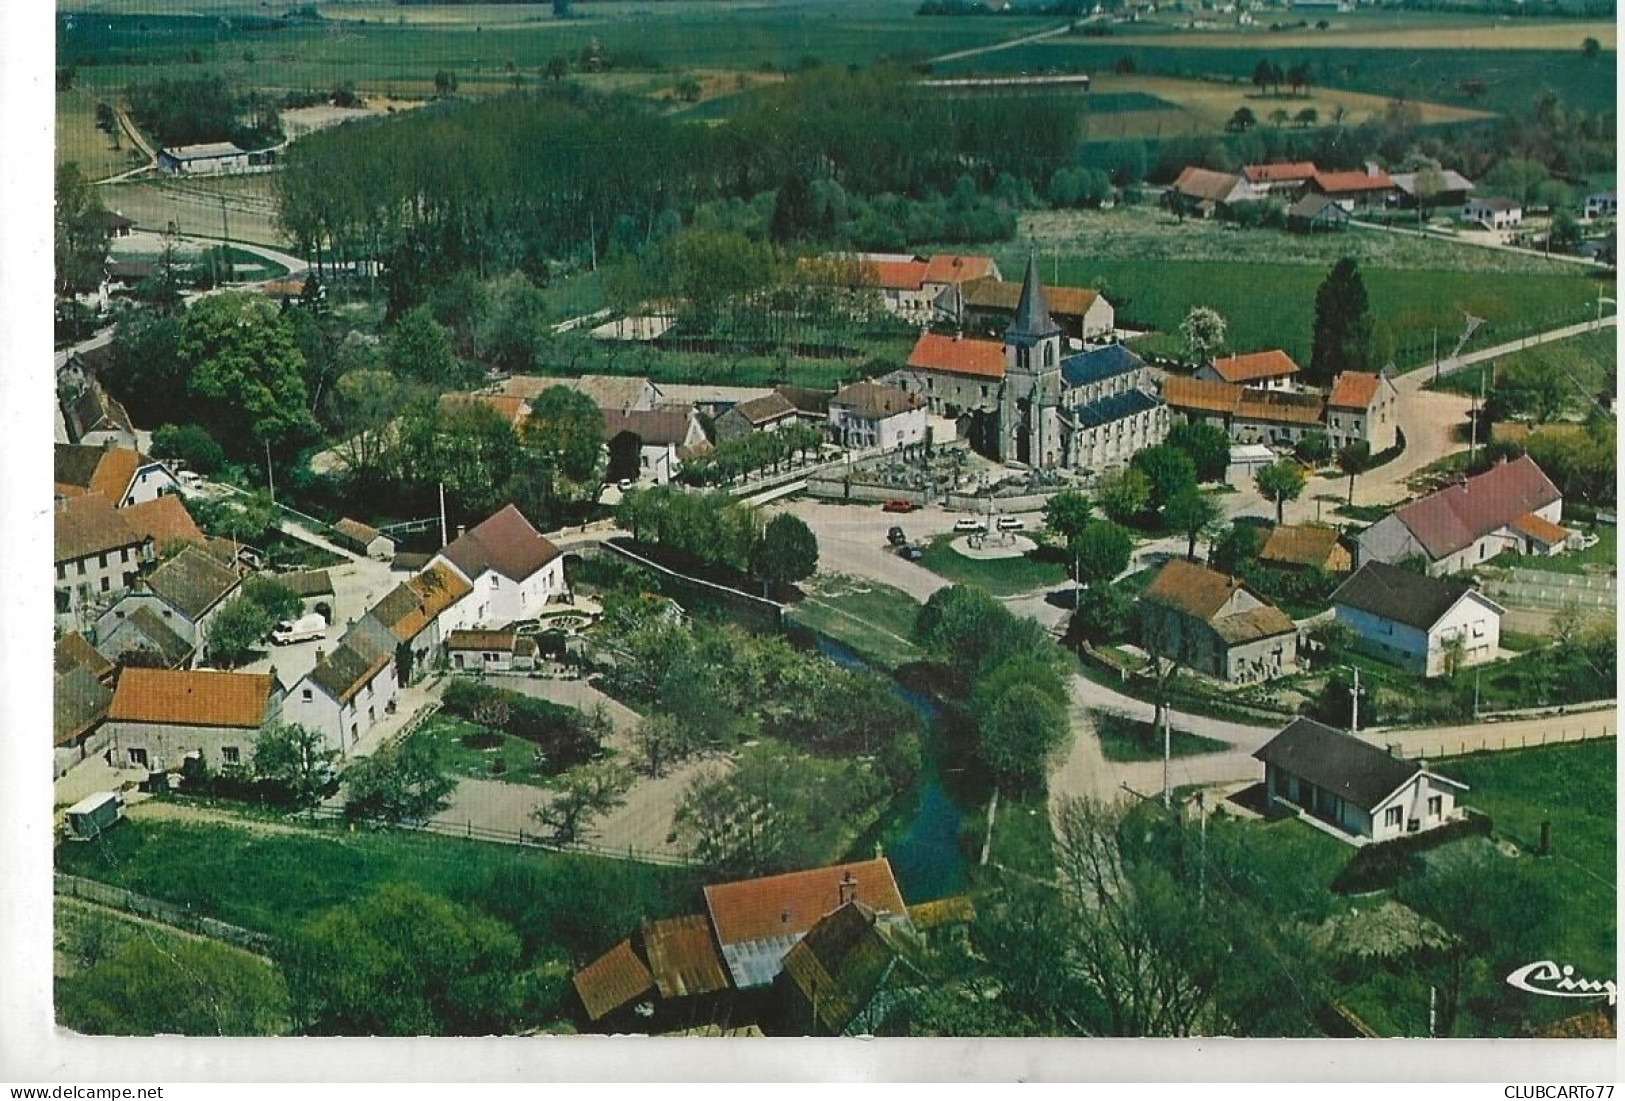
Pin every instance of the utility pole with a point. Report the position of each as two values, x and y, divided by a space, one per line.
270 479
225 237
443 539
1167 746
1478 675
1435 353
1478 402
1201 870
1354 697
1433 1011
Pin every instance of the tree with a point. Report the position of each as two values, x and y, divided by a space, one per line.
1278 117
1263 73
1342 339
1020 733
787 552
189 445
277 599
1242 121
1123 494
1191 511
1067 513
363 406
582 794
1298 77
236 631
1429 182
246 373
1101 552
1238 545
1314 449
1102 614
794 217
1203 332
152 985
1565 233
1208 446
1168 472
567 428
1281 481
416 347
403 962
296 760
445 82
1590 49
404 783
660 740
81 233
1307 117
1352 459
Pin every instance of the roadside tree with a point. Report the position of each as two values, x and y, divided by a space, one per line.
1281 481
296 760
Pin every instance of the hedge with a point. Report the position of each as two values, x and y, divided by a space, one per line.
562 733
1380 865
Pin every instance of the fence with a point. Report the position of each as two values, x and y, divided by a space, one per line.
471 832
167 913
1490 741
1526 588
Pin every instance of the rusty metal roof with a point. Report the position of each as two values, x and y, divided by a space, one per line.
612 980
682 954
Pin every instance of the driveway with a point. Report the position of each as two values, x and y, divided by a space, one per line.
357 585
852 540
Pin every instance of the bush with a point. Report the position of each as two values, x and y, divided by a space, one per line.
563 734
1380 866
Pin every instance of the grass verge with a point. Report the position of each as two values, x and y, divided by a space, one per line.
999 576
1124 739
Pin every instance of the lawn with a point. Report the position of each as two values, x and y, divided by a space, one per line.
515 756
1604 554
1023 840
194 206
1123 739
78 140
999 576
272 883
873 620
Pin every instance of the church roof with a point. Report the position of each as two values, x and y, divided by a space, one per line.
1032 321
1099 364
1116 407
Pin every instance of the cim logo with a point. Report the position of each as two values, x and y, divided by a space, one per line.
1546 978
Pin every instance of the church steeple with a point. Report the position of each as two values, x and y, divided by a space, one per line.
1032 322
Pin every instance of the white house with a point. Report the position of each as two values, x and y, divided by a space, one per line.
410 622
98 556
215 158
1353 785
1604 204
158 717
186 593
1363 406
1496 212
870 414
1419 623
490 651
343 695
1268 370
661 439
513 569
121 474
1512 506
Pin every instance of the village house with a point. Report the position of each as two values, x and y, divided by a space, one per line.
121 474
363 539
901 282
97 555
1307 546
1270 370
1357 190
81 695
651 445
1352 785
1316 213
1512 506
185 594
1215 624
611 393
1424 625
1205 193
1285 180
314 588
92 418
409 623
1250 416
1450 189
989 305
490 651
514 571
159 717
1363 407
871 414
768 413
165 523
954 374
949 269
513 410
1494 212
345 693
1602 204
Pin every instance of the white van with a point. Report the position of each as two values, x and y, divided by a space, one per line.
302 629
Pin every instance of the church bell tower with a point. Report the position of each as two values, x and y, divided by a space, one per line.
1029 428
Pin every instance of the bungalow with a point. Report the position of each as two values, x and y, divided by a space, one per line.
768 413
1358 190
1204 192
185 594
513 569
1215 624
1512 506
97 556
1271 370
1280 179
650 445
1308 546
363 539
1496 212
490 651
611 393
871 414
345 693
160 716
1422 624
1450 188
1363 407
1316 213
1352 785
954 374
408 624
121 474
990 304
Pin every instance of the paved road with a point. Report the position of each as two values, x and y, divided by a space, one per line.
995 47
852 540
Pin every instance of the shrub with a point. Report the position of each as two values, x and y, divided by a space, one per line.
1380 866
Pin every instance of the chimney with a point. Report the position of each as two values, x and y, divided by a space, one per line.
320 654
462 530
1371 169
848 888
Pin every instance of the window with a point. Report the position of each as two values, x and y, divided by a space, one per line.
101 561
1435 806
307 695
124 554
81 567
61 571
1478 630
64 601
106 584
138 757
1393 816
230 755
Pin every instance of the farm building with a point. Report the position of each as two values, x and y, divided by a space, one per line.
1316 213
363 539
1270 370
219 158
1356 190
986 304
1423 624
165 523
1287 179
1215 624
611 393
1450 188
1308 546
121 474
410 622
158 717
1363 407
98 556
1203 192
768 413
185 593
345 694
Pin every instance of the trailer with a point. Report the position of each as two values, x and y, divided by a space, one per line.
94 815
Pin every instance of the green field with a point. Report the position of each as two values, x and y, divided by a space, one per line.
999 576
873 620
517 757
1587 362
194 206
78 140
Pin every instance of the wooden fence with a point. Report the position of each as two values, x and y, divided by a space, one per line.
167 913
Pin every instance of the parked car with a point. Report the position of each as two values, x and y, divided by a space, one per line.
969 524
302 629
913 552
1011 523
898 504
896 537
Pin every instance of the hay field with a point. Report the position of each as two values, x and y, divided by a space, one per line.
78 140
194 206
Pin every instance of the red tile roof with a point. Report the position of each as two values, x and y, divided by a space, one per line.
418 601
790 904
1275 407
682 954
1354 390
89 525
896 275
191 697
1255 365
1300 545
505 542
1348 182
1204 183
958 355
1458 515
1192 589
1202 395
83 468
510 407
1539 528
1279 173
480 640
612 980
165 521
950 267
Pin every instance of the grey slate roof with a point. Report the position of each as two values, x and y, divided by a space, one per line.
1099 364
1114 408
192 582
1340 763
1400 595
165 640
306 583
342 673
1032 320
80 702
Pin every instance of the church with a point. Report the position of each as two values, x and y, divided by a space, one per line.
1022 401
